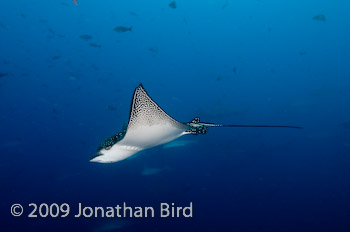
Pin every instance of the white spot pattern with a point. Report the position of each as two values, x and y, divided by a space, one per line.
145 112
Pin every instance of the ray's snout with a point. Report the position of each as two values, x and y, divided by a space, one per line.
97 158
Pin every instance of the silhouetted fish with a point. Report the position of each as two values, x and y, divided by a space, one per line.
302 53
2 26
225 5
85 37
3 74
172 4
94 45
133 13
110 107
345 125
122 29
154 50
319 17
55 57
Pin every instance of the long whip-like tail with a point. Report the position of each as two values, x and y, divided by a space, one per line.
222 125
198 127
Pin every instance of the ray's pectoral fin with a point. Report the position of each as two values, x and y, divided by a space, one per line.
149 126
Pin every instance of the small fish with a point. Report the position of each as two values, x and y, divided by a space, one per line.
133 13
55 111
225 5
302 53
72 77
94 45
110 107
75 1
173 4
154 50
55 57
10 144
94 66
319 17
147 171
85 37
150 171
3 74
3 26
345 125
122 29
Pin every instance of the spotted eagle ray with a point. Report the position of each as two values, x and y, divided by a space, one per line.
149 126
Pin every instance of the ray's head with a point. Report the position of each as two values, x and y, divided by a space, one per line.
100 158
114 153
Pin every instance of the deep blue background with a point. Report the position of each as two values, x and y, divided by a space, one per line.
62 97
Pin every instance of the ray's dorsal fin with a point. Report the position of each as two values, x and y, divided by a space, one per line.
146 112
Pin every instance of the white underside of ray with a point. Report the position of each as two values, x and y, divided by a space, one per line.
137 140
149 126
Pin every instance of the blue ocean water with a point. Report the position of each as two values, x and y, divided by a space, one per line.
66 82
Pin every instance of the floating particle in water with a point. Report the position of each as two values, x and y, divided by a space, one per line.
86 37
173 5
320 17
121 29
